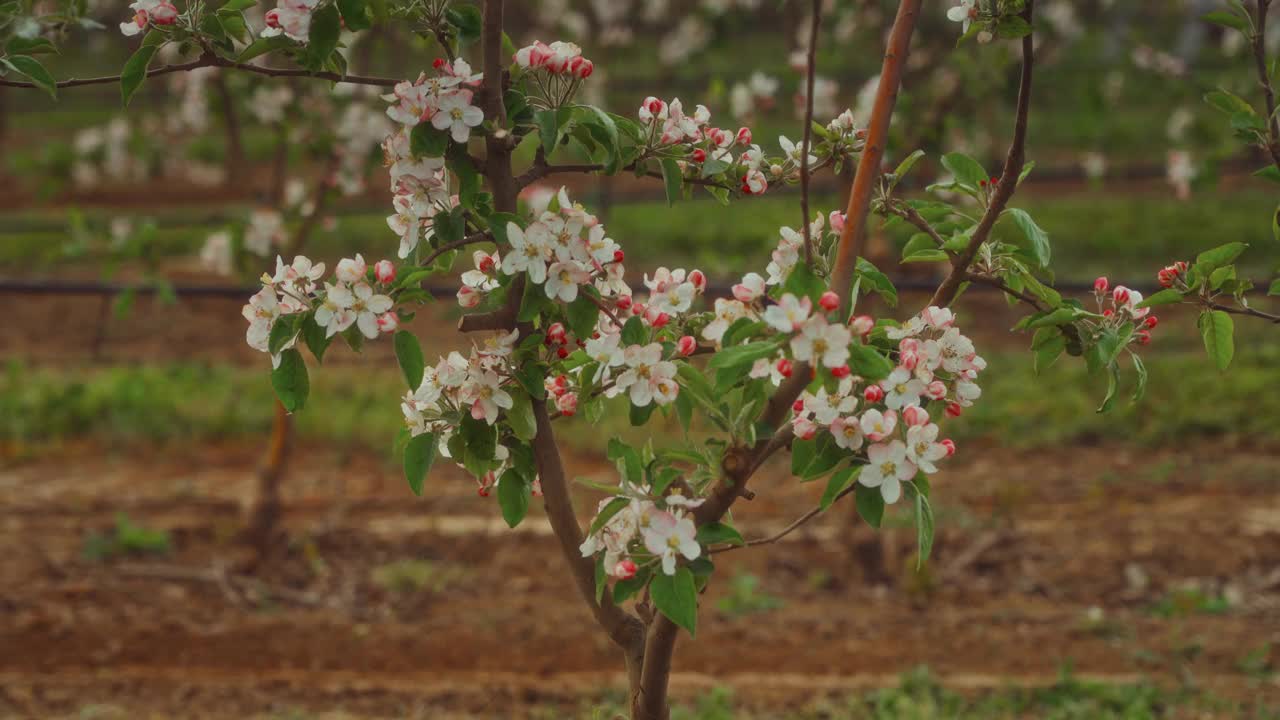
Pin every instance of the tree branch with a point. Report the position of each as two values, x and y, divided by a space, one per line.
788 529
1004 190
1264 79
650 701
854 235
811 67
215 61
1246 310
1001 285
911 215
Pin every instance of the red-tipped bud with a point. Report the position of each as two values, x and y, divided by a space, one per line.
556 334
873 393
164 14
487 264
584 69
1101 284
562 352
624 302
661 320
698 279
1144 337
686 345
619 256
438 63
567 404
744 136
914 415
1120 295
829 301
784 367
624 570
385 272
841 372
1151 321
483 491
1108 312
272 18
949 444
862 325
936 390
699 156
954 409
798 406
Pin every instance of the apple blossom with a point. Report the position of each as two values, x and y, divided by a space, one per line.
887 468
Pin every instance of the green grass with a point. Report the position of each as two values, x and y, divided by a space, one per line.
1092 233
920 695
1186 400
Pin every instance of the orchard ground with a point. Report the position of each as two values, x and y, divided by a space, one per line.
1138 579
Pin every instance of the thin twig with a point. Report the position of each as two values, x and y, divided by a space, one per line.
1001 285
1232 309
811 68
1264 79
912 216
471 239
788 529
1004 189
215 61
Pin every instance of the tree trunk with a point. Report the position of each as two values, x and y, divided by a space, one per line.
264 516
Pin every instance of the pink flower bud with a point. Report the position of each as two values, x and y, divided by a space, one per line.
1144 337
1165 278
873 393
698 279
829 301
584 69
840 372
656 106
1100 285
385 271
483 491
469 297
1108 312
624 570
388 322
836 220
1150 322
556 333
164 14
804 428
486 264
862 325
915 416
909 360
936 390
567 403
784 368
798 406
744 136
1120 295
637 309
562 352
537 487
661 320
699 156
954 409
272 18
619 256
686 345
949 444
624 302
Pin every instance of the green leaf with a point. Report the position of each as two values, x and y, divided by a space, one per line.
907 163
671 179
316 337
1037 239
877 281
1228 102
1218 331
1061 316
968 172
426 141
479 442
283 331
624 590
627 460
520 415
326 28
1275 287
419 454
922 248
1270 172
605 131
582 315
1168 296
135 68
1048 344
355 13
1113 384
548 128
742 355
803 282
870 502
1221 255
838 484
467 19
676 597
869 362
513 497
409 355
29 46
1112 342
290 381
713 533
924 528
633 332
613 507
1141 388
262 46
29 66
238 5
1227 19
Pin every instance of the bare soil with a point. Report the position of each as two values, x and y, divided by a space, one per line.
490 628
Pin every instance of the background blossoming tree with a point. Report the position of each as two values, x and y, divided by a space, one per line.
788 364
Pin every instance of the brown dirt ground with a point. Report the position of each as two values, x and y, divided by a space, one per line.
494 628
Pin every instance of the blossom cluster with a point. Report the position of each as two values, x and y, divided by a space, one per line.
935 363
1120 305
558 58
149 12
291 18
444 99
419 191
695 140
645 532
